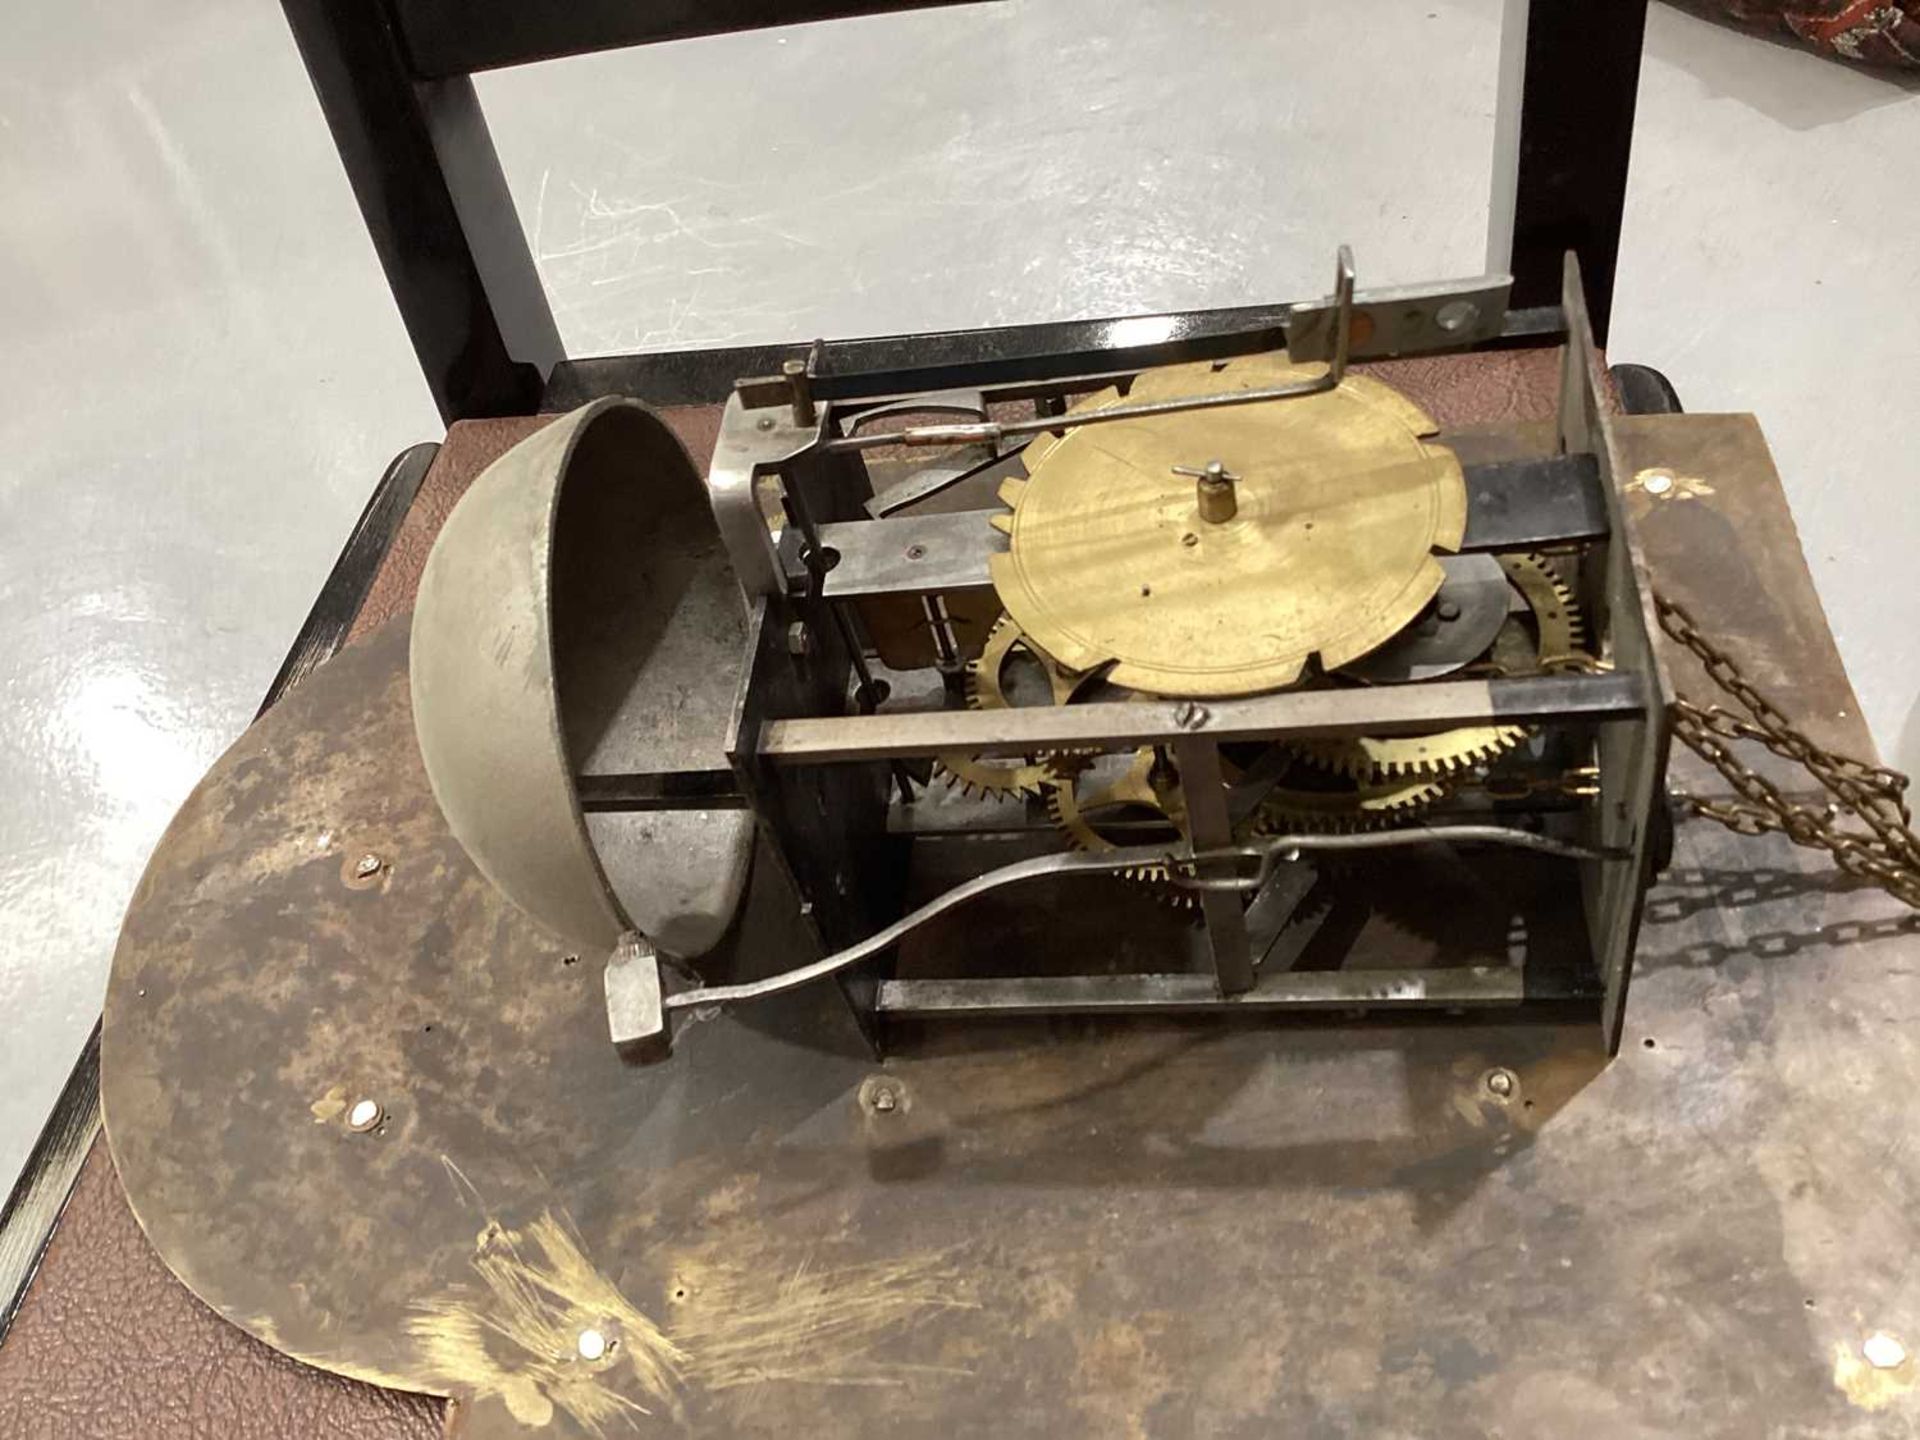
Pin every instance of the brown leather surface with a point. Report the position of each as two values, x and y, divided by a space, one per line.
109 1344
1499 387
469 447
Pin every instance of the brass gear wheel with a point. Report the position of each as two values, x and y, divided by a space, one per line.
1393 757
1341 504
1339 805
1558 633
1134 788
1561 630
986 690
1345 809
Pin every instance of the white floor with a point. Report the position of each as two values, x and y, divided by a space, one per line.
203 373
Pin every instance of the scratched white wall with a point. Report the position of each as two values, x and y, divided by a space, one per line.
998 163
1769 264
202 376
203 372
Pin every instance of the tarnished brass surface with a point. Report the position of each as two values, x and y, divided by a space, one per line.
749 1232
1350 805
1340 506
1138 790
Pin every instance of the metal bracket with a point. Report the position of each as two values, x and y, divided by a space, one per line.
636 1011
750 444
1403 319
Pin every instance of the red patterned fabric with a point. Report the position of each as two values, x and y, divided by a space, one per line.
1871 32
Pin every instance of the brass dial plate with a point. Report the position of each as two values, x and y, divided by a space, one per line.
1342 503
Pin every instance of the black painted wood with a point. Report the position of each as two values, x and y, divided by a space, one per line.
1576 134
369 61
376 110
458 37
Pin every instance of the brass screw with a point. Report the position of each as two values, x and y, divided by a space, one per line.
882 1095
1214 492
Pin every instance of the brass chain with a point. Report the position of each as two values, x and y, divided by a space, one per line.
1887 852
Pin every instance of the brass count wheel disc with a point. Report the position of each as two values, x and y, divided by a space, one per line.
1339 505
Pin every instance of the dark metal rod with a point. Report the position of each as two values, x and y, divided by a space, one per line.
673 790
1375 710
988 432
1272 911
1014 362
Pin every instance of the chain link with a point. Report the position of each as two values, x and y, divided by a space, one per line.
1886 852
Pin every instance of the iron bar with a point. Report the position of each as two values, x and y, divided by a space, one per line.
1369 710
1209 828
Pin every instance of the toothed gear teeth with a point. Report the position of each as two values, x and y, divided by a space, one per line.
984 690
1364 807
1063 806
1559 626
